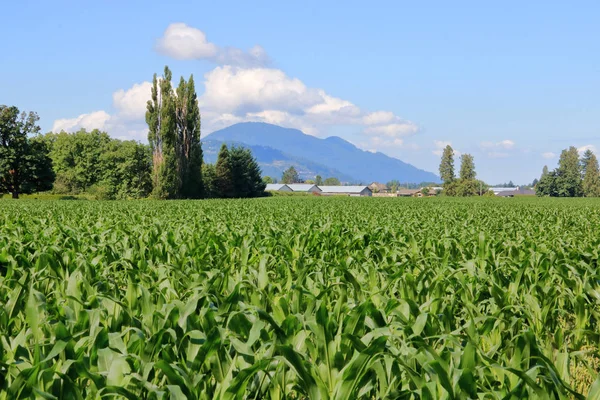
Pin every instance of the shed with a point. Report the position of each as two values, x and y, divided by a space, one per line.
277 187
409 193
304 187
346 190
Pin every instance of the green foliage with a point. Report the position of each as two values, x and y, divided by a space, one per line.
332 182
447 166
173 120
318 180
188 146
569 174
209 178
94 163
267 180
25 166
567 179
290 175
162 136
591 175
245 174
467 168
394 185
224 174
287 298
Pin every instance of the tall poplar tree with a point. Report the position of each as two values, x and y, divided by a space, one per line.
188 147
162 126
447 165
467 167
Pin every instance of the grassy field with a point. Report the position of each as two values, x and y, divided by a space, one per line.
330 298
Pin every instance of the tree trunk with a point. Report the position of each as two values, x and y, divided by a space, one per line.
15 194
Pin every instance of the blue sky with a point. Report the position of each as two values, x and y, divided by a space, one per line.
511 83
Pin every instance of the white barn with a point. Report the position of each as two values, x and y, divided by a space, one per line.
277 187
346 190
304 187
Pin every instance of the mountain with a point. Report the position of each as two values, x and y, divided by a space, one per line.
333 153
273 162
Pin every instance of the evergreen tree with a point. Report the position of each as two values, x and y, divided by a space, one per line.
548 185
467 167
585 160
290 175
209 179
223 174
162 126
569 174
25 166
318 180
591 179
447 166
188 146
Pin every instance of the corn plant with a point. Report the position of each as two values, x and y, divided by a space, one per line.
289 298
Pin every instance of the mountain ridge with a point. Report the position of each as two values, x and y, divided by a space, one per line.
332 153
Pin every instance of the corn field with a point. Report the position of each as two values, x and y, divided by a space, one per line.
300 298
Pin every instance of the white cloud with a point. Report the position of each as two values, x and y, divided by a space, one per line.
378 117
184 42
230 89
93 120
242 89
583 149
548 155
131 103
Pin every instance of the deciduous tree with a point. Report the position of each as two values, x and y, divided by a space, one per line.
332 182
25 166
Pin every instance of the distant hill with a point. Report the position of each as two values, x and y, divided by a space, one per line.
273 162
275 146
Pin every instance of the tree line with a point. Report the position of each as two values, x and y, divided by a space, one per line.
466 184
291 175
170 167
574 176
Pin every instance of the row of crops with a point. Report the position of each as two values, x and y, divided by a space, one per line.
290 298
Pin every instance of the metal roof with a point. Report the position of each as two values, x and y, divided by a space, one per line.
343 189
274 186
302 187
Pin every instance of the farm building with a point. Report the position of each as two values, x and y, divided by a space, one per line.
409 193
346 190
378 187
516 192
277 187
498 190
304 187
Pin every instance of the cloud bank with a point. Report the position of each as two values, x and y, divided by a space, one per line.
242 87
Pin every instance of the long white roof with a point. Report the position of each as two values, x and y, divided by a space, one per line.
302 187
274 186
343 189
